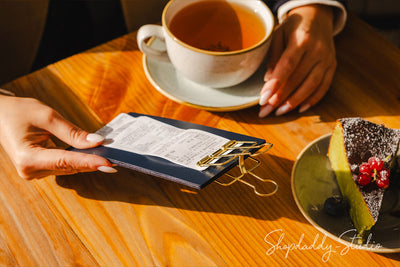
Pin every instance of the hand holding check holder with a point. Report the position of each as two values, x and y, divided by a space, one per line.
190 154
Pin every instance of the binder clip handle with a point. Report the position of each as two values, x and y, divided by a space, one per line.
233 150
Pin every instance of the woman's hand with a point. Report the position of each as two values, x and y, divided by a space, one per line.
301 61
26 126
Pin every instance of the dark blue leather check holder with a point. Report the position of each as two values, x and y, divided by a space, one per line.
166 169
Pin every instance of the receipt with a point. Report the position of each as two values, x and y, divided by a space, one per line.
147 136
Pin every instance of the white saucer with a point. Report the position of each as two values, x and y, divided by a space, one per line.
170 83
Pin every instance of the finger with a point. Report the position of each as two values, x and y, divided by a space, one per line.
308 64
286 65
37 174
310 71
319 94
293 83
312 84
68 132
275 51
43 173
267 91
265 110
276 98
58 161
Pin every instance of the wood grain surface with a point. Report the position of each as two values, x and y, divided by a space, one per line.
133 219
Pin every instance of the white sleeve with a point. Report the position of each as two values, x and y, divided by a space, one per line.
6 92
340 13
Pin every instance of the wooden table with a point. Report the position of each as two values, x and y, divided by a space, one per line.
129 218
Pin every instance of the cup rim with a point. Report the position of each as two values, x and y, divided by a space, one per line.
217 53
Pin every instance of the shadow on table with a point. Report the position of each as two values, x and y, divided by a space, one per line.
393 256
238 199
329 109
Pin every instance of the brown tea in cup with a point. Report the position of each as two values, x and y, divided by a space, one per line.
218 26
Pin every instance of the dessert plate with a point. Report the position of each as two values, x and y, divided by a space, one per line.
313 181
164 77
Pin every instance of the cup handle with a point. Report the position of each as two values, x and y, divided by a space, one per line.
148 31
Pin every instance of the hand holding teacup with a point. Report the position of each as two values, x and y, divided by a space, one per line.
301 60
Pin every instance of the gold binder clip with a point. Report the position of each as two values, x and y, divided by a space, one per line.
240 150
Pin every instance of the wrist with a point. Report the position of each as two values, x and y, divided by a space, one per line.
321 14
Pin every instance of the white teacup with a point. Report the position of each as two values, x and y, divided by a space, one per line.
208 65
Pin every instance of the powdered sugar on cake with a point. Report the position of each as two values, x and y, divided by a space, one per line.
362 140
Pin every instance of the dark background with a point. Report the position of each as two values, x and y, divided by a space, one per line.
384 15
95 22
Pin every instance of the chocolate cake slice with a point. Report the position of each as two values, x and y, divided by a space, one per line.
354 141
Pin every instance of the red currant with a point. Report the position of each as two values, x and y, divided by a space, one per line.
384 174
375 163
364 168
363 178
382 182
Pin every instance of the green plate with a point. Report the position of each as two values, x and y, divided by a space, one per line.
313 181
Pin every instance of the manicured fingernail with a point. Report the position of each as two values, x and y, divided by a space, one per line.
265 97
282 109
107 169
304 108
94 138
265 111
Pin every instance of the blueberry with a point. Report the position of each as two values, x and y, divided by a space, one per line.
335 206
